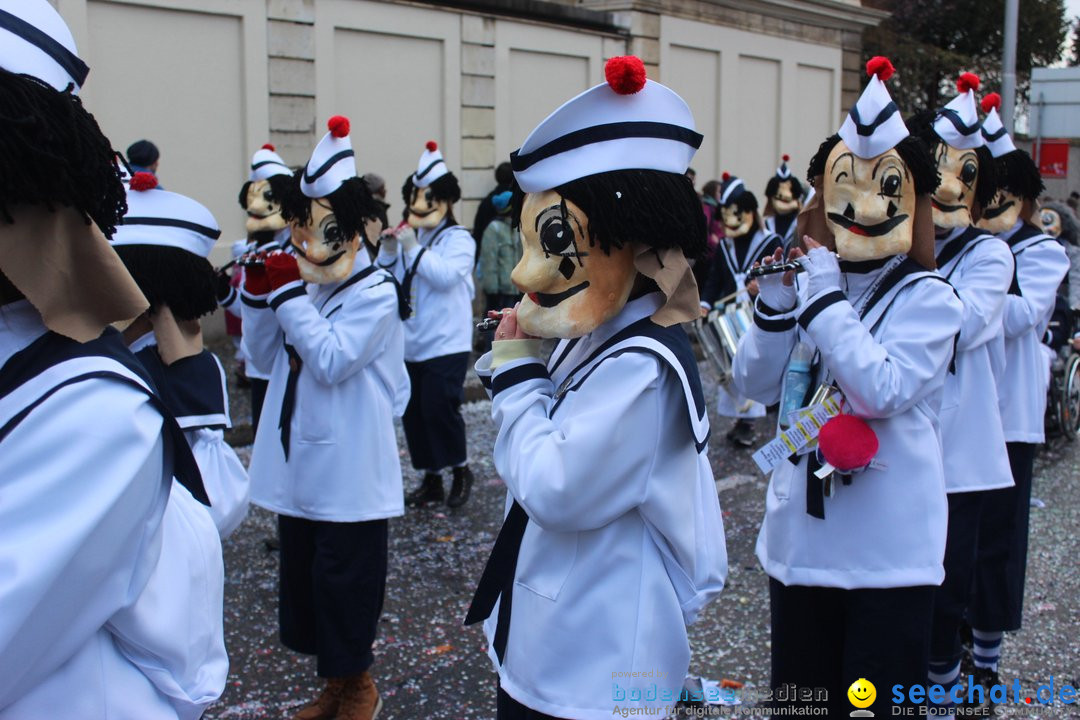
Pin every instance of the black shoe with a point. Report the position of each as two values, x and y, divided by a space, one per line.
741 434
461 487
987 678
429 491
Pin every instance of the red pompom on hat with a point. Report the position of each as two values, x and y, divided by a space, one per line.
785 158
142 181
991 102
338 126
432 146
968 81
847 443
726 176
269 146
880 66
625 74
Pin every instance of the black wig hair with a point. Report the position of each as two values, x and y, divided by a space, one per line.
444 188
912 150
1017 173
650 207
921 124
279 188
54 153
745 201
352 203
773 186
182 280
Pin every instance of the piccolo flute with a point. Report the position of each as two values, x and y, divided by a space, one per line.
773 268
491 321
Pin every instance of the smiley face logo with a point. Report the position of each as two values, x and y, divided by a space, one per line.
862 693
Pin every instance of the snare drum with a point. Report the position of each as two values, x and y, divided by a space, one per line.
718 335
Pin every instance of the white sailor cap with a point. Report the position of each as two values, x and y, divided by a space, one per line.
431 166
167 219
266 163
873 125
784 172
995 136
731 188
626 123
957 124
35 40
332 162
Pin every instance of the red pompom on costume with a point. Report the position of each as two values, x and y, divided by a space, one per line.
880 66
968 81
338 126
991 102
269 146
432 146
281 269
847 443
726 176
625 74
143 181
785 158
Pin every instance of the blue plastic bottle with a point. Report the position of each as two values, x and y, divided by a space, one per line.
796 381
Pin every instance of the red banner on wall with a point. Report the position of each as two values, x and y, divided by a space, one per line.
1053 158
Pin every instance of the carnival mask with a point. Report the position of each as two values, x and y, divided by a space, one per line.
263 209
1002 212
736 222
869 204
425 211
323 254
954 198
1050 221
784 202
570 286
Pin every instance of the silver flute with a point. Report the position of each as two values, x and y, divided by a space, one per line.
490 323
773 268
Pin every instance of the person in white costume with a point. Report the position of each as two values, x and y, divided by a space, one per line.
325 459
980 267
613 540
854 555
1041 263
433 259
112 594
164 241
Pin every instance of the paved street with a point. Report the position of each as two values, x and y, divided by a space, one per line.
429 666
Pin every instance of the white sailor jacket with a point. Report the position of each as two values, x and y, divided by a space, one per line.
604 447
887 528
343 344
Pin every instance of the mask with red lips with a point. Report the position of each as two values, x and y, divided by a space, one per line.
323 254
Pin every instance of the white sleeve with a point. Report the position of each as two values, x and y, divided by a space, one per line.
224 477
1039 271
82 493
581 472
174 632
261 333
887 376
762 356
983 285
452 266
337 347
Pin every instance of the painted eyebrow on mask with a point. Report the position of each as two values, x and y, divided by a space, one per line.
836 162
896 163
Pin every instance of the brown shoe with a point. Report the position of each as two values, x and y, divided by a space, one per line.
325 707
359 700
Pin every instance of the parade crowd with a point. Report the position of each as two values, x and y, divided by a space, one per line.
896 310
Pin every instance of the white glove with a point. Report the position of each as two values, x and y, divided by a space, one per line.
388 243
773 292
407 237
822 271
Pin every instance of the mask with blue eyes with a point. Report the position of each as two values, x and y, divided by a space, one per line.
570 286
323 254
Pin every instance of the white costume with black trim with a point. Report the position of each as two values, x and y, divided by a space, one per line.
1041 264
112 602
343 463
788 236
438 277
623 543
887 528
980 267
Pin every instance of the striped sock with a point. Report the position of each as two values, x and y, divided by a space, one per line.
987 650
947 675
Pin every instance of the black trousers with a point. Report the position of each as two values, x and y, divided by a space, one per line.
331 588
998 601
258 394
508 708
952 597
829 638
434 428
